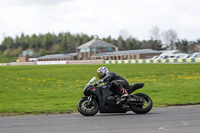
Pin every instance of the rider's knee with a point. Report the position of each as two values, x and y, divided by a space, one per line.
115 83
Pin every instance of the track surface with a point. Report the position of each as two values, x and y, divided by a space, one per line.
185 119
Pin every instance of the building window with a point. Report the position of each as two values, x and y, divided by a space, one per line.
108 48
83 50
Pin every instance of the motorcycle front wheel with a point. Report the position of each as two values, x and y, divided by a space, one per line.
142 109
87 108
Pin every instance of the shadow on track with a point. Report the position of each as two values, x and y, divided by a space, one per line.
120 114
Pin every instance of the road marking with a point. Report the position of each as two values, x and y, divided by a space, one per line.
164 127
185 123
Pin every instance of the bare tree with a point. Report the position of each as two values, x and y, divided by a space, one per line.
169 37
194 47
124 33
155 33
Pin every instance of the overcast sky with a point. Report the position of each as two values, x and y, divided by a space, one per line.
100 17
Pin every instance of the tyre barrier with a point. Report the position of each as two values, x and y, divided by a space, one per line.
149 61
3 64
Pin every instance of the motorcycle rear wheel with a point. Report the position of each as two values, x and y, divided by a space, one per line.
85 109
142 109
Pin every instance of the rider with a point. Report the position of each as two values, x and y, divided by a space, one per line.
117 81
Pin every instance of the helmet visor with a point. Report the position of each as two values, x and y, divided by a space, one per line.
99 74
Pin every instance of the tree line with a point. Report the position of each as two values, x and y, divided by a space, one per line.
61 43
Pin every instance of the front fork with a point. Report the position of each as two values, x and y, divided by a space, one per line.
91 100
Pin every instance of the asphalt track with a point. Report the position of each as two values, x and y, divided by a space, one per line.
184 119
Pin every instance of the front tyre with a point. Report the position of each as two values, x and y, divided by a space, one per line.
142 109
86 107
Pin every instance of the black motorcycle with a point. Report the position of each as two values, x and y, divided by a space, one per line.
104 99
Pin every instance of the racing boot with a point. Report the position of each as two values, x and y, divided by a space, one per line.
124 95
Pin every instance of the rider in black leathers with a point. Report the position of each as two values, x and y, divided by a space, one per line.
117 81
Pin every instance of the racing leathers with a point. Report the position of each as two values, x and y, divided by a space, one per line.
117 82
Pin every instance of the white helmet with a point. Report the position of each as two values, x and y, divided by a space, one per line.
101 72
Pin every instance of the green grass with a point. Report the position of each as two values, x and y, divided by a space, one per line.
57 88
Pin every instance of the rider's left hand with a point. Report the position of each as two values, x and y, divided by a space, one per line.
100 81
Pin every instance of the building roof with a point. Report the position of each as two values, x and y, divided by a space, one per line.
128 52
96 43
58 56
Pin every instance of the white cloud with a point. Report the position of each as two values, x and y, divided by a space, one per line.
100 17
31 2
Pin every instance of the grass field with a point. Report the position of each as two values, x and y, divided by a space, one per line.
57 88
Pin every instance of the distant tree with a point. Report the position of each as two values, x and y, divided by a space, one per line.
71 43
64 44
198 41
43 52
151 44
17 51
85 38
169 37
7 52
146 45
124 33
182 45
128 44
114 42
35 42
155 33
156 45
47 41
56 49
78 39
135 44
108 39
120 43
8 42
194 46
197 48
2 48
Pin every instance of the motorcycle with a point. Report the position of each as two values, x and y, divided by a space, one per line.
104 99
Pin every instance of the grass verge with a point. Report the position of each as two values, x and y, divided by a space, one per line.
57 88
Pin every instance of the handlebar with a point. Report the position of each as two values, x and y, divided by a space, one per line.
96 84
105 83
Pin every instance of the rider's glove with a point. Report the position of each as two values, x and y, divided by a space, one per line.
98 82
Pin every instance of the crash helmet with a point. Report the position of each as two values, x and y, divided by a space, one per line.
101 72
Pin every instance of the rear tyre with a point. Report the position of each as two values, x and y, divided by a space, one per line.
142 109
86 108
